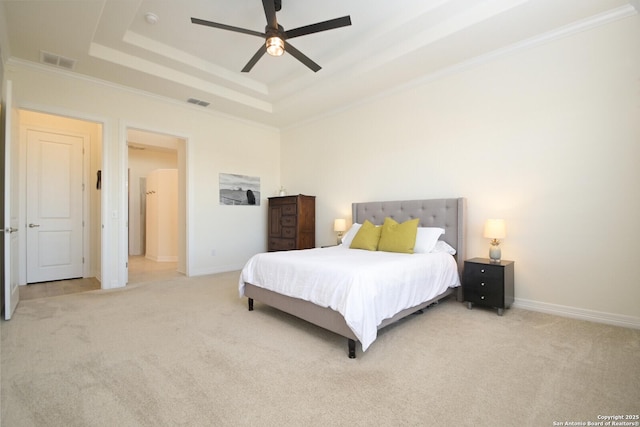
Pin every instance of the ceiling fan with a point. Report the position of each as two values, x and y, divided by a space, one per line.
276 37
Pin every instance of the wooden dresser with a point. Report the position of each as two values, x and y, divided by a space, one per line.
292 223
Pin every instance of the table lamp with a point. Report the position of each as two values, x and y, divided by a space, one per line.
495 229
340 226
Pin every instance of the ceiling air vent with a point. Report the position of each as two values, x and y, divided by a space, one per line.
198 102
57 60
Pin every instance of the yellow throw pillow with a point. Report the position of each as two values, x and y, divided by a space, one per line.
367 237
398 237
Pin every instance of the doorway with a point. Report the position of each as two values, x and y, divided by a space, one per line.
156 238
58 205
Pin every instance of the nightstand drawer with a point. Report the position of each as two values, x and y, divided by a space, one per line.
479 296
484 284
481 271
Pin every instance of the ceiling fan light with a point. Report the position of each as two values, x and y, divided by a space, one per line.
275 46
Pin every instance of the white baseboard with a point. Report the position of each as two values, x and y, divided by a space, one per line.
215 270
163 258
579 313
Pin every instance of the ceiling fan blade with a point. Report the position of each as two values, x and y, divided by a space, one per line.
255 59
226 27
301 57
320 26
270 13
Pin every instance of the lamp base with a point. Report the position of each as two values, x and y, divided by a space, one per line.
495 254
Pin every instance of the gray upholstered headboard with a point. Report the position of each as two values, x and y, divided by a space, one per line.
449 214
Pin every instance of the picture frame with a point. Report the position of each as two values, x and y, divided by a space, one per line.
239 190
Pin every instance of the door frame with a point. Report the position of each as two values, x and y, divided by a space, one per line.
11 223
184 197
107 264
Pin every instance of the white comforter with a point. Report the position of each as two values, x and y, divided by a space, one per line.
366 287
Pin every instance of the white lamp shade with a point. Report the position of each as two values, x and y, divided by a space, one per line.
340 224
495 229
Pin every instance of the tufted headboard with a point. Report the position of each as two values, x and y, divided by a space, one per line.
449 214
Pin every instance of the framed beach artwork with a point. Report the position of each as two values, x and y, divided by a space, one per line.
239 189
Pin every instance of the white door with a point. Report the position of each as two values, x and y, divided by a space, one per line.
11 260
54 206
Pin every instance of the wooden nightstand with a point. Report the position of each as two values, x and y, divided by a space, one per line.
488 283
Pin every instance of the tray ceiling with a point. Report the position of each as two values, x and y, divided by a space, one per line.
389 45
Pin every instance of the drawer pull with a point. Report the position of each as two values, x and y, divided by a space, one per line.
482 271
482 284
482 297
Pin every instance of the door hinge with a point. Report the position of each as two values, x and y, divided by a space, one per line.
83 260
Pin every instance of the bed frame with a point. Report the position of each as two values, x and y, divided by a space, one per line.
449 214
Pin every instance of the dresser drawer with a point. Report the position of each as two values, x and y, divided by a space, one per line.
288 221
289 232
289 209
281 244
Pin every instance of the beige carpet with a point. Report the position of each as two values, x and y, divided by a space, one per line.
187 352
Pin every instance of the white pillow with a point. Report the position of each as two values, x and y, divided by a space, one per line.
426 239
348 236
442 246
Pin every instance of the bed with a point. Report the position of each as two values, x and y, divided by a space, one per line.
324 308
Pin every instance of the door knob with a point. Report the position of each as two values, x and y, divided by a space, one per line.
32 225
10 230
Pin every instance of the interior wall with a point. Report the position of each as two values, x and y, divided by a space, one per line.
141 162
162 215
221 238
547 138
